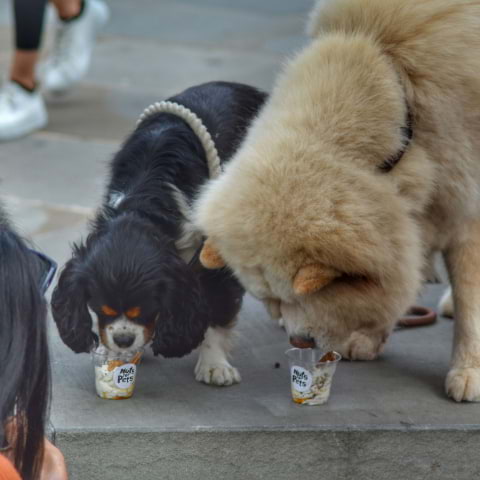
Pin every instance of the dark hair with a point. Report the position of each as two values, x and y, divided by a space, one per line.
24 360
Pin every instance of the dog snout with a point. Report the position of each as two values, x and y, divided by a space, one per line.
302 341
124 340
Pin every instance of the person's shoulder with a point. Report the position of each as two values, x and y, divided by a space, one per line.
7 470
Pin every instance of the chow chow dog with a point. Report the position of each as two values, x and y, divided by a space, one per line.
363 163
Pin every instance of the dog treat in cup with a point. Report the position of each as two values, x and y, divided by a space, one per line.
115 373
311 374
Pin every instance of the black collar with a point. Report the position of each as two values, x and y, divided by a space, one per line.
407 133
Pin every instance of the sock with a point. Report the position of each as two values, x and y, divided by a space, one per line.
78 15
27 89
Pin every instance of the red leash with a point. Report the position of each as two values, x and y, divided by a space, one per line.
418 316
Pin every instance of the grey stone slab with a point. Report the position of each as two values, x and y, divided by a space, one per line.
55 169
403 388
287 44
5 13
275 7
50 228
165 69
127 75
387 419
274 455
229 24
98 112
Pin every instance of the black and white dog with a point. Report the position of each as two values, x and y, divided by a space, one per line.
137 279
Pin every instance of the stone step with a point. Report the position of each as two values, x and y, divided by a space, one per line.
385 419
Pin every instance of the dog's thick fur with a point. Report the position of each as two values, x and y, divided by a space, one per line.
134 281
309 221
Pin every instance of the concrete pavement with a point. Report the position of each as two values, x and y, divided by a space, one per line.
389 419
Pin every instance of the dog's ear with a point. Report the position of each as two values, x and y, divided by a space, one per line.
69 307
311 278
210 257
184 316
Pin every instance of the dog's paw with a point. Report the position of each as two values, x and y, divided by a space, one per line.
463 384
361 347
220 375
445 307
281 323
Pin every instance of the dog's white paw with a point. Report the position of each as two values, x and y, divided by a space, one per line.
361 347
445 307
463 384
281 322
221 375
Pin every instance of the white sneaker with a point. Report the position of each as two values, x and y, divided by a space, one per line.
21 112
70 59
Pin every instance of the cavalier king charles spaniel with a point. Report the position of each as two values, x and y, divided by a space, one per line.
137 279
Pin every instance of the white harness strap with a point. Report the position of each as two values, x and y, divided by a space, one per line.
196 124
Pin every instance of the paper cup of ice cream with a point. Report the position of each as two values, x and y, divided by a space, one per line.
311 374
115 373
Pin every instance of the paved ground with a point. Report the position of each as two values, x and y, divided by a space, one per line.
387 419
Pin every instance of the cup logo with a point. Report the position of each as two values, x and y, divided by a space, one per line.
124 376
301 379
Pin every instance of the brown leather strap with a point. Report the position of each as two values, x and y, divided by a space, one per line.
418 316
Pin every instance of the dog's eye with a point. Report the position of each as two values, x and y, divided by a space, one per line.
109 311
133 312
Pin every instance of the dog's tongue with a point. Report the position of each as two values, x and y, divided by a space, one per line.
302 342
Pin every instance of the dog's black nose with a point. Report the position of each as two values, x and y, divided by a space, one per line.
124 340
301 341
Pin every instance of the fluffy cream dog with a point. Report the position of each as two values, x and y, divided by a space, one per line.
328 213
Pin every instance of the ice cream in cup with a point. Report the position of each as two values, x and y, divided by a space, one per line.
311 374
115 373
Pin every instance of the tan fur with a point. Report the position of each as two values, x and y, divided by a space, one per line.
305 188
210 258
311 278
